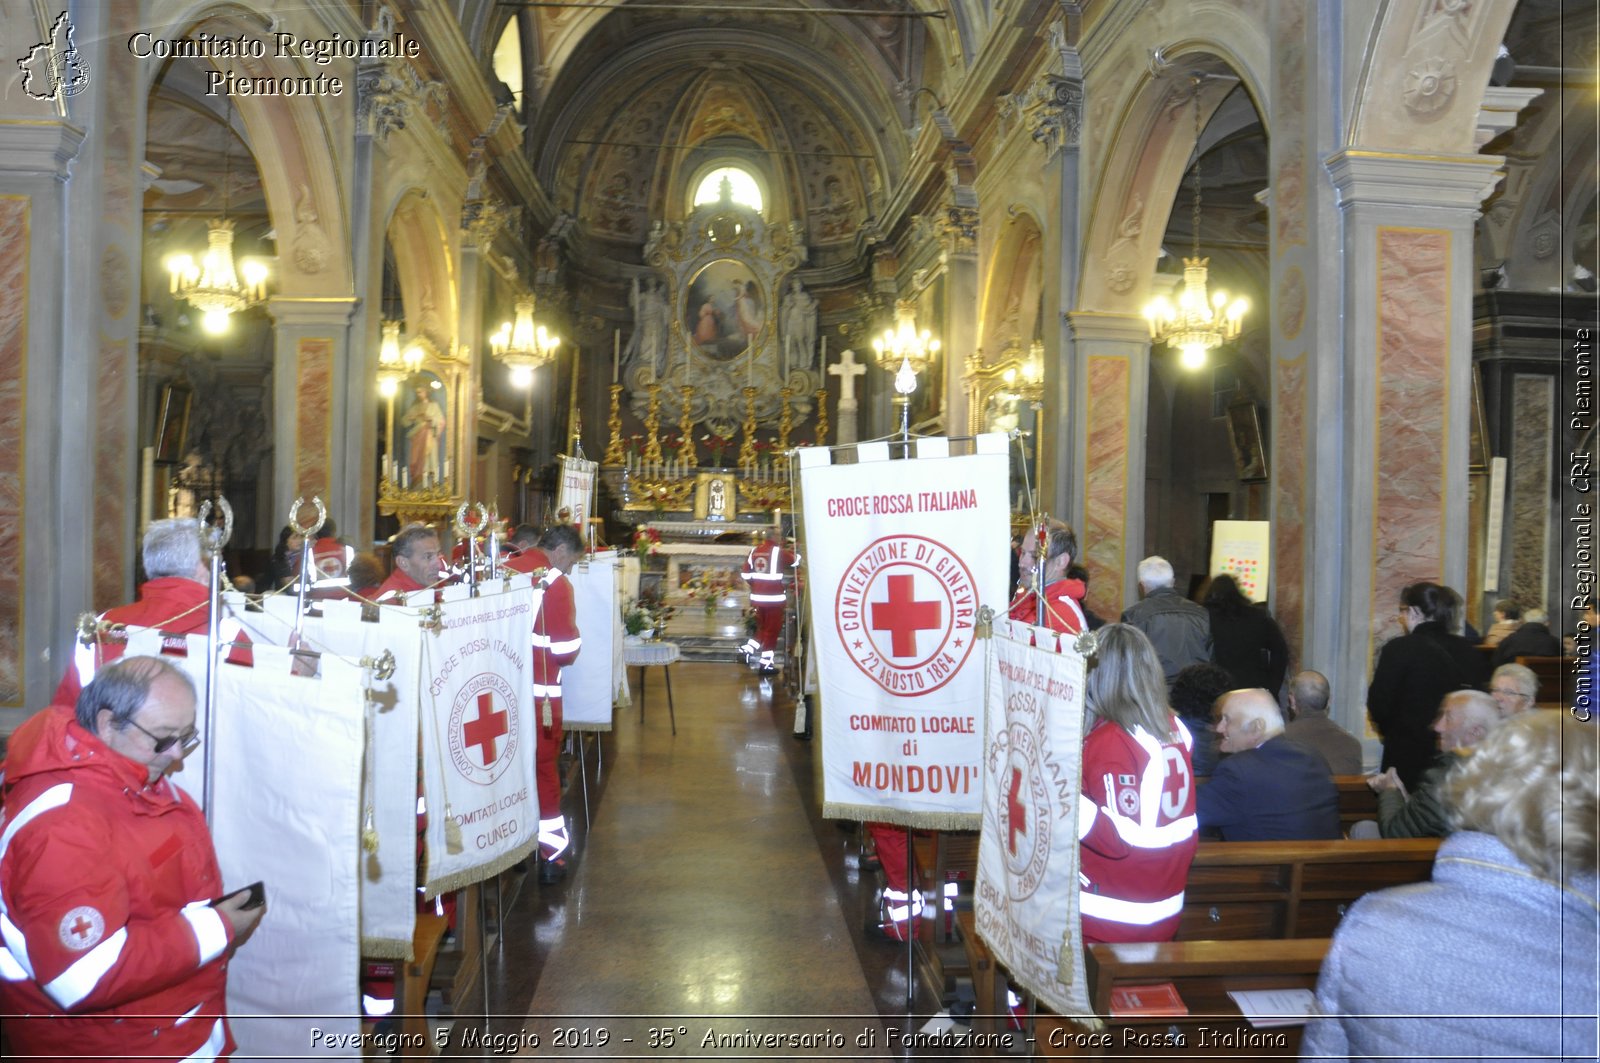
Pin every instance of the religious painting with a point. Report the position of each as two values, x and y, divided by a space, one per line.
724 310
172 424
715 497
1478 440
1244 430
421 412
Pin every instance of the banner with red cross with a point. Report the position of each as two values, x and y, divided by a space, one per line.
1026 903
901 555
478 724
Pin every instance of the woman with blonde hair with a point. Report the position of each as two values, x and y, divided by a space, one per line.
1136 821
1496 956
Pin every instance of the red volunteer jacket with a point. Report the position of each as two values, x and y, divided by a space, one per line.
1062 611
110 943
1136 833
764 569
556 641
175 604
396 585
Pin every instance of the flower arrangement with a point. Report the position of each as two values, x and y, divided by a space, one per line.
634 445
716 444
646 541
645 616
710 586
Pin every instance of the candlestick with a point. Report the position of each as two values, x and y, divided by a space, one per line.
686 424
616 353
785 419
614 453
747 449
652 425
749 367
821 395
824 352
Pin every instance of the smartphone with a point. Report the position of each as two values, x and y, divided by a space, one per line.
258 896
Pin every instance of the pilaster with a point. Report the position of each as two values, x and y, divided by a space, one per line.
310 385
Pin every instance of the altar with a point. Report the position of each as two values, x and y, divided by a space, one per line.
702 584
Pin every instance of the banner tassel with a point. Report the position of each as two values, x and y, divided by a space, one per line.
452 833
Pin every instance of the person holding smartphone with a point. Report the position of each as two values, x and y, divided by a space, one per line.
115 928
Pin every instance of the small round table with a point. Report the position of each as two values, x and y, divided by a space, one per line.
640 654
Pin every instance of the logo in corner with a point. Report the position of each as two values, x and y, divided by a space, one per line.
55 68
82 928
484 728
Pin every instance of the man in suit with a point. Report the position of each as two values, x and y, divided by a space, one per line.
1268 788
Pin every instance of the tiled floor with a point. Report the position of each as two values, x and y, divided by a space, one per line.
707 900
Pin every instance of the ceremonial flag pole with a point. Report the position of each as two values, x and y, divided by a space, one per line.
213 539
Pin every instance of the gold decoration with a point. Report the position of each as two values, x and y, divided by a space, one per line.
686 453
785 419
614 452
822 416
747 449
652 426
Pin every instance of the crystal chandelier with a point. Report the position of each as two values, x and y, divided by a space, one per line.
212 285
1200 321
524 346
903 344
394 364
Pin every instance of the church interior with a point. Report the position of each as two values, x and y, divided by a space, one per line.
403 256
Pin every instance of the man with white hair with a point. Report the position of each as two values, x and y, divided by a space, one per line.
1514 688
1268 787
1465 718
1531 639
1179 629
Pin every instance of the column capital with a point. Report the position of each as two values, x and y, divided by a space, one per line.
290 311
1090 326
40 146
1395 179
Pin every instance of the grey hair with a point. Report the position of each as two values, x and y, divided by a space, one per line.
1521 676
409 536
1155 571
1535 615
1311 692
172 548
1126 685
122 687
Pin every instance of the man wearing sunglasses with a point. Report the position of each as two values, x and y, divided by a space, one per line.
110 943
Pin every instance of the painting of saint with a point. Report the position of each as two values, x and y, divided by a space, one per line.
724 310
423 419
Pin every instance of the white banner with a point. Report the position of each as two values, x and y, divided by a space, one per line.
901 555
288 802
1026 905
589 684
576 493
148 642
478 723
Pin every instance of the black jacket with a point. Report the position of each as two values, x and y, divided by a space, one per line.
1413 675
1179 629
1278 791
1250 645
1529 640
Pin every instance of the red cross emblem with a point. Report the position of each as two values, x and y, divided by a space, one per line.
489 725
81 928
903 616
1016 811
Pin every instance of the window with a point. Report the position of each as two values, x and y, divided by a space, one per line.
743 189
508 61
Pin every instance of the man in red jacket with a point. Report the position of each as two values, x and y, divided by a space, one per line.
112 946
175 598
556 643
1062 596
764 568
416 563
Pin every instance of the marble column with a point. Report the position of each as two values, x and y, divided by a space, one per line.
310 380
960 324
1407 224
1111 404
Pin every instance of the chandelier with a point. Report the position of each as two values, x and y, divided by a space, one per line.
1199 321
524 346
394 364
903 345
212 286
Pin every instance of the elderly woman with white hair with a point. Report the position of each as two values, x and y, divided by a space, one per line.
1496 957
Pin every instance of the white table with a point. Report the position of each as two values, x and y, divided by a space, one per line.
642 654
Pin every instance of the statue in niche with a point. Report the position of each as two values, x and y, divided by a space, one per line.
648 344
799 316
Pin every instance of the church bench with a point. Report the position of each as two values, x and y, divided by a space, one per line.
1292 889
1558 679
1357 800
412 978
1203 972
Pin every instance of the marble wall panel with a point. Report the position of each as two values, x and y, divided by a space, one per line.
1289 474
1412 423
1103 538
1533 400
15 246
314 418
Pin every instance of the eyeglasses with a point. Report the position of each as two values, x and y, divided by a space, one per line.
189 742
1510 693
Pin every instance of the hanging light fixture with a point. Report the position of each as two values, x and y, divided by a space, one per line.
903 344
1199 322
391 369
524 346
213 284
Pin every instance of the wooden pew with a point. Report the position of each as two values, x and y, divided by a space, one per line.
1203 973
1357 800
1292 889
939 854
1558 679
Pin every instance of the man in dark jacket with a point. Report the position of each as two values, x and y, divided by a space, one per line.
1179 629
1269 788
1532 639
1465 718
1310 726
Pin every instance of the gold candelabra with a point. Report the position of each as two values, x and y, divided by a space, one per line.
686 452
614 452
747 449
652 426
822 416
785 419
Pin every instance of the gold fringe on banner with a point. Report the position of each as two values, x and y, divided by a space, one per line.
481 873
386 949
586 725
901 817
